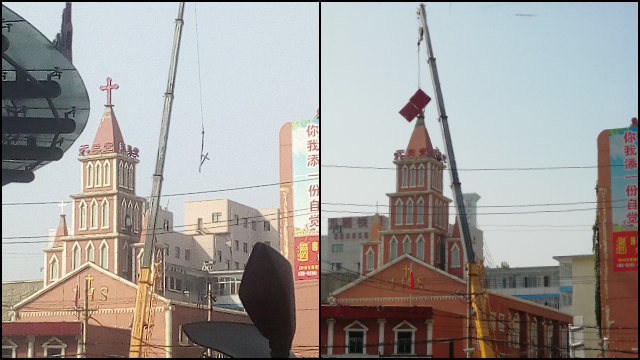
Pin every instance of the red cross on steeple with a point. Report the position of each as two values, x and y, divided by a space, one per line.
109 87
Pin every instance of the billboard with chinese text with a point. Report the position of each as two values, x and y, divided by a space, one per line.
305 149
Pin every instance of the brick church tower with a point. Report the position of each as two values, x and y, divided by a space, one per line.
419 222
107 211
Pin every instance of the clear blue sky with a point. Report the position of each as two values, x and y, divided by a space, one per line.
259 69
519 91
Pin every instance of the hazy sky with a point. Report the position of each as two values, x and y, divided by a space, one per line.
524 85
259 68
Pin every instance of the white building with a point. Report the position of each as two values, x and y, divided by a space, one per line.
344 237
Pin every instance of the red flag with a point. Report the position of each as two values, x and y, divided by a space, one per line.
411 285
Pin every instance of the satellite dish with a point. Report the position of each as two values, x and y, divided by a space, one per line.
270 303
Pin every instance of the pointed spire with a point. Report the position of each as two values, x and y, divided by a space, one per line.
108 137
62 228
420 143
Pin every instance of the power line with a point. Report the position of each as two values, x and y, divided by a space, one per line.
177 194
486 206
479 169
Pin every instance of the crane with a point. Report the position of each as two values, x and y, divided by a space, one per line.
474 268
142 316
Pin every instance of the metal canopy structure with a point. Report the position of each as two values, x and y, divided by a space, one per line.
45 105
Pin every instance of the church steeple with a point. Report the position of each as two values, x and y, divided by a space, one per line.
108 137
420 143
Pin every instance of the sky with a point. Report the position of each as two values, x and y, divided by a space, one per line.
259 68
525 85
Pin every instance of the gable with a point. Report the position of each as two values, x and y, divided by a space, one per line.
106 291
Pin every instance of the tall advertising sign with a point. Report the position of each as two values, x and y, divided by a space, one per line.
623 179
305 148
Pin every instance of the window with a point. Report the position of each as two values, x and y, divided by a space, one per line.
404 338
245 248
546 281
177 252
355 338
504 283
237 245
182 337
105 213
53 268
406 245
104 255
336 266
501 322
187 254
94 214
107 173
533 338
253 225
228 263
90 252
9 348
89 173
83 215
75 259
549 337
120 173
237 218
98 174
131 176
54 348
420 212
244 223
404 176
200 224
123 213
219 253
409 212
179 284
403 342
369 259
412 172
356 342
399 212
337 248
136 218
420 248
237 265
515 333
455 256
421 175
125 181
393 249
216 217
165 224
267 226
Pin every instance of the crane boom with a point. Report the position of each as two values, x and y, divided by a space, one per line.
146 281
475 269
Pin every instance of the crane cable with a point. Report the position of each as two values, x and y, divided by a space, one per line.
202 157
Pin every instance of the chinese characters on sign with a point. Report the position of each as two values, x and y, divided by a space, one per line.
623 145
306 197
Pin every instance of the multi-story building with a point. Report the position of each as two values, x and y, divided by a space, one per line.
345 237
539 284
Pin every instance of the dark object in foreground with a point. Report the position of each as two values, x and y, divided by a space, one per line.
268 296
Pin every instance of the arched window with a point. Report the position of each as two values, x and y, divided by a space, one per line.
131 176
98 174
123 213
413 176
75 258
130 215
53 268
83 215
533 336
355 338
455 256
406 245
136 218
421 175
369 259
104 255
125 181
399 212
105 213
515 332
120 173
90 252
393 249
94 214
420 212
420 248
107 173
409 212
405 174
89 173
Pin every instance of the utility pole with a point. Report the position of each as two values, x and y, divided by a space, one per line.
209 311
